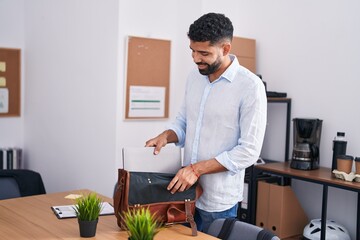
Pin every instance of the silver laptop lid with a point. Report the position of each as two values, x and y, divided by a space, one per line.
142 159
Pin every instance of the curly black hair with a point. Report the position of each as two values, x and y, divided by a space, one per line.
213 27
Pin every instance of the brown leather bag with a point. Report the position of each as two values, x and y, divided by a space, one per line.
148 190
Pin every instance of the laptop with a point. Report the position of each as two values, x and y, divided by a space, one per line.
142 159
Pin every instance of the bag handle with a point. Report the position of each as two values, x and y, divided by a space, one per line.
190 218
119 196
174 211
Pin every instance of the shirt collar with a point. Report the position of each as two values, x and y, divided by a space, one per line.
230 72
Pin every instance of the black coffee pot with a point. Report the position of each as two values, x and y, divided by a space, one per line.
307 133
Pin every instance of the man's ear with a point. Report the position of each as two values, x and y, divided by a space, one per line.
226 48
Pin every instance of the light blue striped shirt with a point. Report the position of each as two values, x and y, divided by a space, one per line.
226 120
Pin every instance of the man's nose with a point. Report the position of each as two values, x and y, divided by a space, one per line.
196 57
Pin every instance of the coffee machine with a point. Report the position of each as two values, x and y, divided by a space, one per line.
307 134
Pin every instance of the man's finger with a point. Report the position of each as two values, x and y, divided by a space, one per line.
157 149
176 187
150 143
172 183
182 188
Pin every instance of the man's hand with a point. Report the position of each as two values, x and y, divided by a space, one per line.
161 140
187 176
183 180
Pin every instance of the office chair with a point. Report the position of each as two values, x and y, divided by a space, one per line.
20 183
9 188
234 229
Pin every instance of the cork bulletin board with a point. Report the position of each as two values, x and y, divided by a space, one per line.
10 98
245 51
147 78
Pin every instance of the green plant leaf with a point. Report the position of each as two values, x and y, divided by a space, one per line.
88 207
141 224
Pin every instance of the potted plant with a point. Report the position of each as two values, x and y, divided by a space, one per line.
87 209
141 224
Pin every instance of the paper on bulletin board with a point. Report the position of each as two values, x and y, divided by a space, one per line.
2 66
4 100
2 82
147 101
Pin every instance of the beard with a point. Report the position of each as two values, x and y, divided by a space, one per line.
211 68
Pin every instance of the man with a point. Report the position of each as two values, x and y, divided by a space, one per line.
221 123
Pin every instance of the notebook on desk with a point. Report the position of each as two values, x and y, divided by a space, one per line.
68 211
142 159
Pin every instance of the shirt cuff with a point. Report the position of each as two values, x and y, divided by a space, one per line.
180 135
224 160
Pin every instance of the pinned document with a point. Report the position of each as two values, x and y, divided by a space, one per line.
4 100
147 101
2 82
2 66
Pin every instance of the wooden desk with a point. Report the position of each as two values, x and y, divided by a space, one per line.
32 218
321 176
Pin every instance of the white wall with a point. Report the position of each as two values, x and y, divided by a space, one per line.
75 71
70 104
12 36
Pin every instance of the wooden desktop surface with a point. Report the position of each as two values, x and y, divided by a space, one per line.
32 218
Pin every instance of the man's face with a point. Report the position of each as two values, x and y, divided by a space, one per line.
207 57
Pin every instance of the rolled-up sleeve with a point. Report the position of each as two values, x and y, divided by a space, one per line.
179 126
252 124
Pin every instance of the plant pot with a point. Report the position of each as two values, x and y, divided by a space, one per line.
87 228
